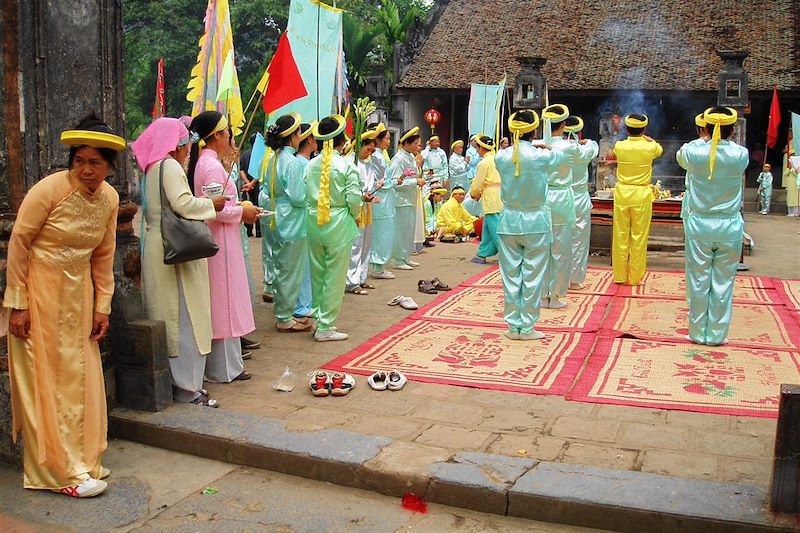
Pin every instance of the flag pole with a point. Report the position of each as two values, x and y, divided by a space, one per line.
249 123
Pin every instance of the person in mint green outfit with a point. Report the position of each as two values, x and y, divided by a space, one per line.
305 151
582 232
287 192
714 226
334 200
267 293
383 212
524 228
404 171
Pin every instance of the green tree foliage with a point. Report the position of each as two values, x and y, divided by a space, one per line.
172 28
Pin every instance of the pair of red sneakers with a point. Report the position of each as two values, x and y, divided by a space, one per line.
324 383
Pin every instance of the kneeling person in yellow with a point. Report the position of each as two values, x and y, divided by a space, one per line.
334 200
714 226
633 201
453 219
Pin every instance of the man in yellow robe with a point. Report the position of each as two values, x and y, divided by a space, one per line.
453 219
633 201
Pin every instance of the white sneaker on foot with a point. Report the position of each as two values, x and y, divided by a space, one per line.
513 335
409 262
555 303
576 286
384 274
89 488
330 335
532 336
404 266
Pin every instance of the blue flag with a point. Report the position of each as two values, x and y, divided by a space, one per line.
256 156
485 103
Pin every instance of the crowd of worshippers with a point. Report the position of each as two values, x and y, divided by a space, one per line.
327 222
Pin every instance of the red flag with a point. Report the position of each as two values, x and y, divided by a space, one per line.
160 105
774 120
285 82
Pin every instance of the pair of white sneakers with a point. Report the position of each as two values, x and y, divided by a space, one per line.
392 380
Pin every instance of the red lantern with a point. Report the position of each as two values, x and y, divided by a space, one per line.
616 120
432 117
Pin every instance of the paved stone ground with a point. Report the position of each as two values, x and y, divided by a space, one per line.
152 490
441 420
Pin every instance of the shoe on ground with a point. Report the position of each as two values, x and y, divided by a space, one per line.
330 335
396 380
576 286
428 244
555 303
378 380
513 335
267 297
532 336
404 301
342 384
412 263
292 326
248 344
244 376
320 383
385 274
104 472
404 266
88 489
205 400
478 260
246 356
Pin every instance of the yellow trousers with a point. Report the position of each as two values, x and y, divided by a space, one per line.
629 245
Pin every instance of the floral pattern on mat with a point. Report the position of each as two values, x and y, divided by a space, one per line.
484 306
598 281
752 325
672 285
473 356
720 379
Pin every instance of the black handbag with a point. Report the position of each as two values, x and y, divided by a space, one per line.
184 239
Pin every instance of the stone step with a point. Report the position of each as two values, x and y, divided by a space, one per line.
515 486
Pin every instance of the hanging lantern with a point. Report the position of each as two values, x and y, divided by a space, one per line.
432 117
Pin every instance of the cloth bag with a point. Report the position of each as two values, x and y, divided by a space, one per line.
184 239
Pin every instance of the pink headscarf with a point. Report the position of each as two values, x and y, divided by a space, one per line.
160 138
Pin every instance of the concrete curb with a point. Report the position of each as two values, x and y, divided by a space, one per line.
547 491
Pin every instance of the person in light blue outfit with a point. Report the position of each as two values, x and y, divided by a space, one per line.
561 201
473 156
764 189
524 228
404 170
287 191
434 163
305 151
266 236
383 212
582 233
458 167
714 226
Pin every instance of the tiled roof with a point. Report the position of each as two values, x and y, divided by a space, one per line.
610 44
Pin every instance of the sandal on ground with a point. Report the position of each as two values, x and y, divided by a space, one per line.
367 286
203 399
426 287
378 380
358 290
439 285
244 376
296 327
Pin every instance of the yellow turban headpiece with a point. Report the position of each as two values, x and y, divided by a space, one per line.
550 114
221 125
369 135
636 123
485 141
717 120
306 133
439 191
453 146
519 128
434 138
575 128
324 199
700 121
293 128
410 133
95 139
380 128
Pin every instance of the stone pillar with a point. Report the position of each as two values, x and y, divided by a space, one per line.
785 491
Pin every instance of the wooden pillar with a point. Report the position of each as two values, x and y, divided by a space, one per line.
785 491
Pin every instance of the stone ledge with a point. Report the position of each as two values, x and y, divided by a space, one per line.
553 492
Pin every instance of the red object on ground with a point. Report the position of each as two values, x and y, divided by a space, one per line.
774 120
285 82
412 502
478 227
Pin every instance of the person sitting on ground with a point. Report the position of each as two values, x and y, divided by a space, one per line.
454 222
433 203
